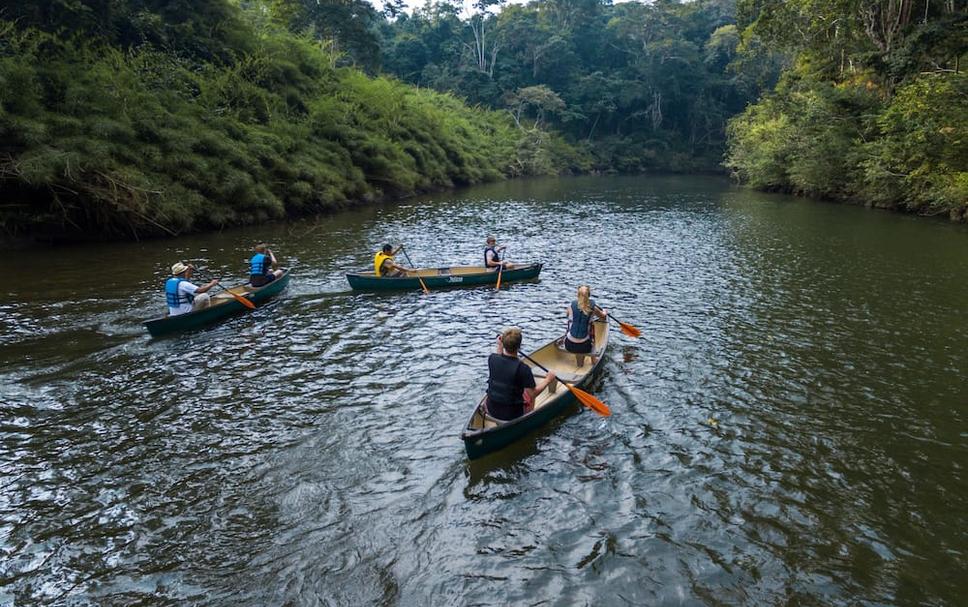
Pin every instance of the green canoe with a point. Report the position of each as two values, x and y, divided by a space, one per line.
485 434
456 276
223 305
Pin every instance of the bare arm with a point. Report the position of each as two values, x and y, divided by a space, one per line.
541 385
204 288
272 258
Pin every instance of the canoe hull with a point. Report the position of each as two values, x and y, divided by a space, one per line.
166 325
437 278
480 442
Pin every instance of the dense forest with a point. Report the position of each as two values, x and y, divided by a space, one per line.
125 118
150 117
873 107
644 86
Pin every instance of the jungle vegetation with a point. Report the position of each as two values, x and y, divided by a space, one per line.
873 107
150 117
127 118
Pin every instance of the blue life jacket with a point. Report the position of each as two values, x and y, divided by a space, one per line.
260 264
173 296
497 256
579 321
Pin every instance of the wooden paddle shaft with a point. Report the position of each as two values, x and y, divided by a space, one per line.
415 271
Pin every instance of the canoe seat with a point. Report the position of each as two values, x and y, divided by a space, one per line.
563 376
443 271
491 422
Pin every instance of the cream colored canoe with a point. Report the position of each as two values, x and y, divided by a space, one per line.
485 434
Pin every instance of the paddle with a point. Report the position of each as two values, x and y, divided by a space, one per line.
242 300
583 397
627 329
499 271
422 285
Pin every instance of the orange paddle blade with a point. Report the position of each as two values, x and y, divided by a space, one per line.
242 300
498 287
590 401
629 329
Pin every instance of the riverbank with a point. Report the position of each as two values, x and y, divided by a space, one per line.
102 142
852 143
872 107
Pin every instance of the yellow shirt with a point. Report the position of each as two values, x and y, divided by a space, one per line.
378 260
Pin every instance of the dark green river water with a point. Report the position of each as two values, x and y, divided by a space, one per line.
790 429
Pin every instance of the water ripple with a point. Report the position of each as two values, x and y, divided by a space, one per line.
789 428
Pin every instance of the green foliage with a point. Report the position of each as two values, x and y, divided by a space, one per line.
643 86
106 141
873 109
759 152
805 140
920 160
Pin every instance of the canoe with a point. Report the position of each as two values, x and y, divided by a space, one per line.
454 276
485 434
223 306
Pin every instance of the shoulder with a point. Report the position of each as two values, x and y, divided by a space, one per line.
187 286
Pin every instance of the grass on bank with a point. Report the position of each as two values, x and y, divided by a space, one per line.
103 142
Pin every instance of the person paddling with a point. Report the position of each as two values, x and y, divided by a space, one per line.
580 336
181 295
263 267
492 256
511 389
383 264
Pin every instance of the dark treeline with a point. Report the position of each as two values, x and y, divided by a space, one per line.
874 107
643 86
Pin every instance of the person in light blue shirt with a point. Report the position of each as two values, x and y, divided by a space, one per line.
181 295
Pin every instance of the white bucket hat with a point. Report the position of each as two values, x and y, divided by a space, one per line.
179 268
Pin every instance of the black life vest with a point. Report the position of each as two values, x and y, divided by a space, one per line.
502 388
497 256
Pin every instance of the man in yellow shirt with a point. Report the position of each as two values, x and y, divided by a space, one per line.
383 263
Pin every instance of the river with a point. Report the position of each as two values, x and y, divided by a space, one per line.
791 428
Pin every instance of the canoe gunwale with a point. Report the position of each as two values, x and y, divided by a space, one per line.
440 277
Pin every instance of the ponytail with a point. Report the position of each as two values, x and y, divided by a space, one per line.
584 299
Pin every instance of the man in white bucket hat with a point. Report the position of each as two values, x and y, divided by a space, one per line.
181 295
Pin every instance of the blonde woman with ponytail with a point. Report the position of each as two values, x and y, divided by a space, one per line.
580 337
